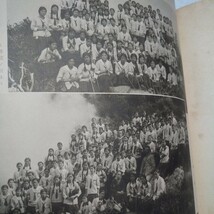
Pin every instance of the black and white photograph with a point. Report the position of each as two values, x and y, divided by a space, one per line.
106 107
93 46
94 154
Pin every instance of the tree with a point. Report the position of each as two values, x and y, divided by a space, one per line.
122 107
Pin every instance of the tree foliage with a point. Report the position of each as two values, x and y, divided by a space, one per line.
122 107
21 47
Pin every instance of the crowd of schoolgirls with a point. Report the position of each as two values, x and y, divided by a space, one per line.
87 46
107 168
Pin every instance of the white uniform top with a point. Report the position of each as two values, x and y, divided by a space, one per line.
40 27
124 37
131 164
76 23
152 73
103 31
68 189
120 15
172 79
79 42
48 55
66 74
88 26
161 71
95 52
80 5
104 67
92 184
54 23
159 187
142 69
85 49
141 29
65 24
68 44
120 68
149 47
164 154
134 27
85 72
118 166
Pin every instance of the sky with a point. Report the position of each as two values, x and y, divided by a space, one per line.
31 124
182 3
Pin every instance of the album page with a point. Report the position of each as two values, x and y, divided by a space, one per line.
93 114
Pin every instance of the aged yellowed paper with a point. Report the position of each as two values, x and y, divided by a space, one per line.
196 30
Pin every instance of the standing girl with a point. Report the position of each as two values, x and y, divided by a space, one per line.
40 28
55 23
50 159
71 193
56 195
17 201
18 174
66 23
27 165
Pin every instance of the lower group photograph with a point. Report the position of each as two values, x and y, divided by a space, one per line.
94 154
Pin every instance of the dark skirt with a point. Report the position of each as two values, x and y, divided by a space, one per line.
45 76
88 86
104 82
57 208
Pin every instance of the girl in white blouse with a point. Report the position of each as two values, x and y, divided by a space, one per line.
71 193
39 25
105 71
67 78
55 23
56 195
121 70
88 74
66 23
54 19
41 31
103 30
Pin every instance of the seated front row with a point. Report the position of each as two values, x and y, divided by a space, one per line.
100 73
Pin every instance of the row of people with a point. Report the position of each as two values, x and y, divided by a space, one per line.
65 198
99 70
101 21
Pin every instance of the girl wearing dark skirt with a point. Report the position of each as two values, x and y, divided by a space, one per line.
88 75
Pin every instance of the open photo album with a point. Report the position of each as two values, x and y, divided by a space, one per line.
94 116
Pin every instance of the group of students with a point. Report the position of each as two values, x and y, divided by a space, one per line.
87 46
120 168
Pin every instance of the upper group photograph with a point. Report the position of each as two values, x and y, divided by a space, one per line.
94 46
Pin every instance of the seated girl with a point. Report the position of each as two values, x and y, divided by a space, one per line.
103 30
121 70
49 63
67 78
134 74
88 74
105 71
